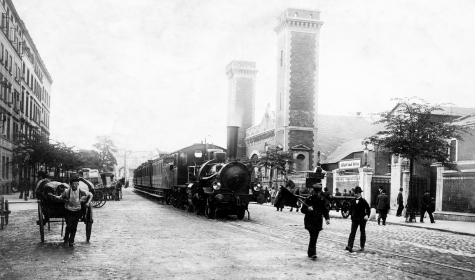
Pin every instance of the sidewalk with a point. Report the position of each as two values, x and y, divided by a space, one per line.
14 198
466 228
459 227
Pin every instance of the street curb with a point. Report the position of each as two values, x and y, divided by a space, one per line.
429 228
411 226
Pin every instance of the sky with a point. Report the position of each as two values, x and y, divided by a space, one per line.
151 74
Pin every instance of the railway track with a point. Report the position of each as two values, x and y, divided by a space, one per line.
416 266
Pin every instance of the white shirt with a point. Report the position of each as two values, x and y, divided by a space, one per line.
73 204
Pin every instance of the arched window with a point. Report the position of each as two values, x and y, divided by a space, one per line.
300 162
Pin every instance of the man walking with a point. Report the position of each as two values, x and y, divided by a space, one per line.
359 211
426 207
400 203
382 203
314 209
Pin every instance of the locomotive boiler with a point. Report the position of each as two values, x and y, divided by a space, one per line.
223 188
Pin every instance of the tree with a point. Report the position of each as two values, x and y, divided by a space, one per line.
414 132
91 158
276 160
37 150
105 147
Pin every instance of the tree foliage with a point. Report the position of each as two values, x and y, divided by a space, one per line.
91 159
105 147
275 159
415 133
34 151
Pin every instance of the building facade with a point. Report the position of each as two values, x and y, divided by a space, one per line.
25 87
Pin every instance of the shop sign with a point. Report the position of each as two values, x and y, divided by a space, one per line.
349 164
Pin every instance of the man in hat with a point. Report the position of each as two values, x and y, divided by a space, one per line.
73 198
314 208
359 211
426 199
382 204
400 203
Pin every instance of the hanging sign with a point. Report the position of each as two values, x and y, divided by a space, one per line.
349 164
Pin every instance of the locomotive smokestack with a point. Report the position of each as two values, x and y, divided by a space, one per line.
232 142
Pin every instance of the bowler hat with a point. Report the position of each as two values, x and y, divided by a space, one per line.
358 190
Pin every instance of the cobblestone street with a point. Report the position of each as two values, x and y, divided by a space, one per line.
138 238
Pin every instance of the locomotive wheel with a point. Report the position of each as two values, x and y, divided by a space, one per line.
345 209
89 221
196 210
209 212
241 212
167 198
189 208
41 224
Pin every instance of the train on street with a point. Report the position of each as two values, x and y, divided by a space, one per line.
199 178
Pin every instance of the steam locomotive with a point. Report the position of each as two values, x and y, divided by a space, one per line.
199 179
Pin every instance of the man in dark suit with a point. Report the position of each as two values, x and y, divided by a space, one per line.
400 203
314 209
426 207
382 203
359 211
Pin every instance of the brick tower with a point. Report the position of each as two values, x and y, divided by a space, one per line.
241 103
297 84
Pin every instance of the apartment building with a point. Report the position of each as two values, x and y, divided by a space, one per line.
25 87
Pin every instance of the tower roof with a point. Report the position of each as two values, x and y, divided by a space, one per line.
299 18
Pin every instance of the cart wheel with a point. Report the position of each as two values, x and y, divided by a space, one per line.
345 209
89 221
41 223
98 199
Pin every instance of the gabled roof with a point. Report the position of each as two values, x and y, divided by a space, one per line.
465 120
455 111
345 149
336 130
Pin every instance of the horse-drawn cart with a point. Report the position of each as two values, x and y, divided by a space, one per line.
53 211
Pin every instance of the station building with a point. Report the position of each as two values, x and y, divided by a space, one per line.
25 87
337 142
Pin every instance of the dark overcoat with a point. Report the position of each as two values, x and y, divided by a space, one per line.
382 202
313 219
359 210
